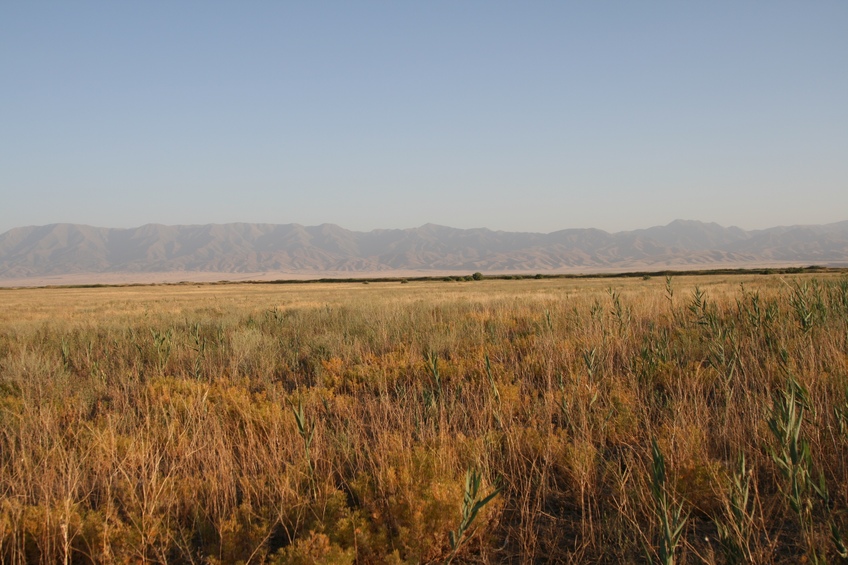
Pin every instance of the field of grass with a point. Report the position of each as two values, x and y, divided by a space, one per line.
688 420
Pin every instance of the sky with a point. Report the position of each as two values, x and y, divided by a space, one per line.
520 116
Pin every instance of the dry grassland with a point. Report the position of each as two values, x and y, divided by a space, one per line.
695 420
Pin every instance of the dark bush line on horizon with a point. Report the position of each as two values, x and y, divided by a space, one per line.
812 269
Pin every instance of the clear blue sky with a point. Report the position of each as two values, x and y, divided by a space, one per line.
508 115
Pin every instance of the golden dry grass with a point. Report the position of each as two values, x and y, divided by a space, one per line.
158 424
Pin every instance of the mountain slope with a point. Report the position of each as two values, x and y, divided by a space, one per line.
62 249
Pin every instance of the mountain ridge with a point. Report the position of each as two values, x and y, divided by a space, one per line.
75 249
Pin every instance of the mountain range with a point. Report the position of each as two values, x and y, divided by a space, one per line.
70 249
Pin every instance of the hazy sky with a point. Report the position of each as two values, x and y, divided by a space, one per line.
508 115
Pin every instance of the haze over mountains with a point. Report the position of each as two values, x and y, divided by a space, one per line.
69 249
